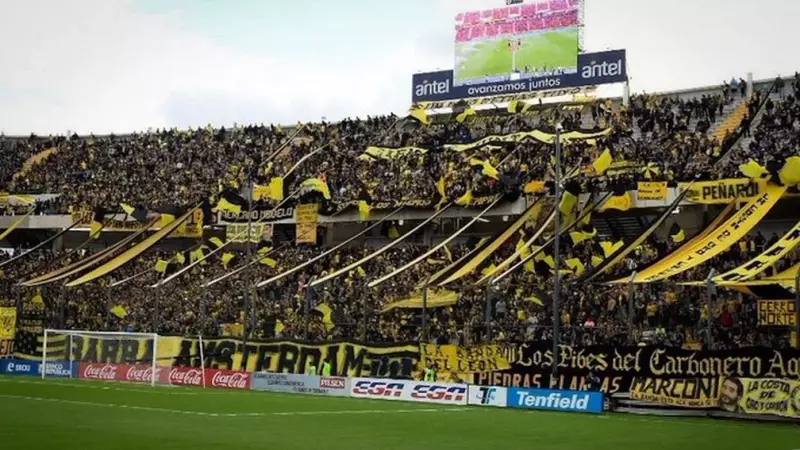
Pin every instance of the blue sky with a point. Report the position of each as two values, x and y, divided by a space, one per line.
126 65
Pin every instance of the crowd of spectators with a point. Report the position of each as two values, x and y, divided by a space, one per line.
669 135
184 167
520 306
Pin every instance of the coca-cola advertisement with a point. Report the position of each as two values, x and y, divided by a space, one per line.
100 371
185 376
181 376
228 379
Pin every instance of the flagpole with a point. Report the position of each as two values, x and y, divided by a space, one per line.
557 258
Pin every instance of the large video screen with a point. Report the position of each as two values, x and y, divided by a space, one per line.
516 42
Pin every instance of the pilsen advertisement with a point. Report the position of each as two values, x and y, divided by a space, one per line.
618 367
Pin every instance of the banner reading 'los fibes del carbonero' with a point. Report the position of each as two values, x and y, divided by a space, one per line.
619 367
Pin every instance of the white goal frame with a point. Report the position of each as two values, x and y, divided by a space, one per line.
71 333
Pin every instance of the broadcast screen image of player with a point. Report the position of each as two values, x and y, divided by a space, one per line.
517 42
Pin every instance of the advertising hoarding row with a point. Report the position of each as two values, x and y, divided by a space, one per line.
592 69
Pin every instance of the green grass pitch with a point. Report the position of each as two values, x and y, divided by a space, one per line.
86 415
475 60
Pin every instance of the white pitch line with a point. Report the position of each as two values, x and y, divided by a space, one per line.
199 413
102 386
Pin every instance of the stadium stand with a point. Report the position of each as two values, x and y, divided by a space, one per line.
701 134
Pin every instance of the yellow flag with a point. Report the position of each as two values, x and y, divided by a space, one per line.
609 248
317 184
364 210
326 311
487 170
576 265
602 163
790 173
465 199
161 266
269 262
622 202
596 260
96 229
534 299
225 205
361 272
196 255
216 241
440 186
226 258
466 113
421 115
276 188
119 311
752 169
568 202
180 258
166 219
279 326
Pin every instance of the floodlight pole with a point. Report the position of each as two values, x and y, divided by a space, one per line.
557 258
710 291
246 313
425 331
797 309
487 315
631 294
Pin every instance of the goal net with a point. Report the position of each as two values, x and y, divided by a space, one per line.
113 356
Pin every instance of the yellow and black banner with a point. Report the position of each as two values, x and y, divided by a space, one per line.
8 328
436 298
697 252
455 359
191 228
651 190
772 396
777 313
724 191
681 392
237 232
538 135
762 262
307 219
346 358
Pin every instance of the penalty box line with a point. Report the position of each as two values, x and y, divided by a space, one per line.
206 414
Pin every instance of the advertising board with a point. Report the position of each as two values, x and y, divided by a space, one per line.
58 369
556 400
182 376
487 396
300 384
592 69
410 391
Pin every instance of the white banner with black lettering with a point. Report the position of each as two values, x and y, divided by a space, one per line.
300 384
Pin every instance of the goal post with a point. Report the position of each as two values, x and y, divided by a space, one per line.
122 356
137 352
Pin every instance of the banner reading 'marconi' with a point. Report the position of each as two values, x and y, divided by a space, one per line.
593 69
